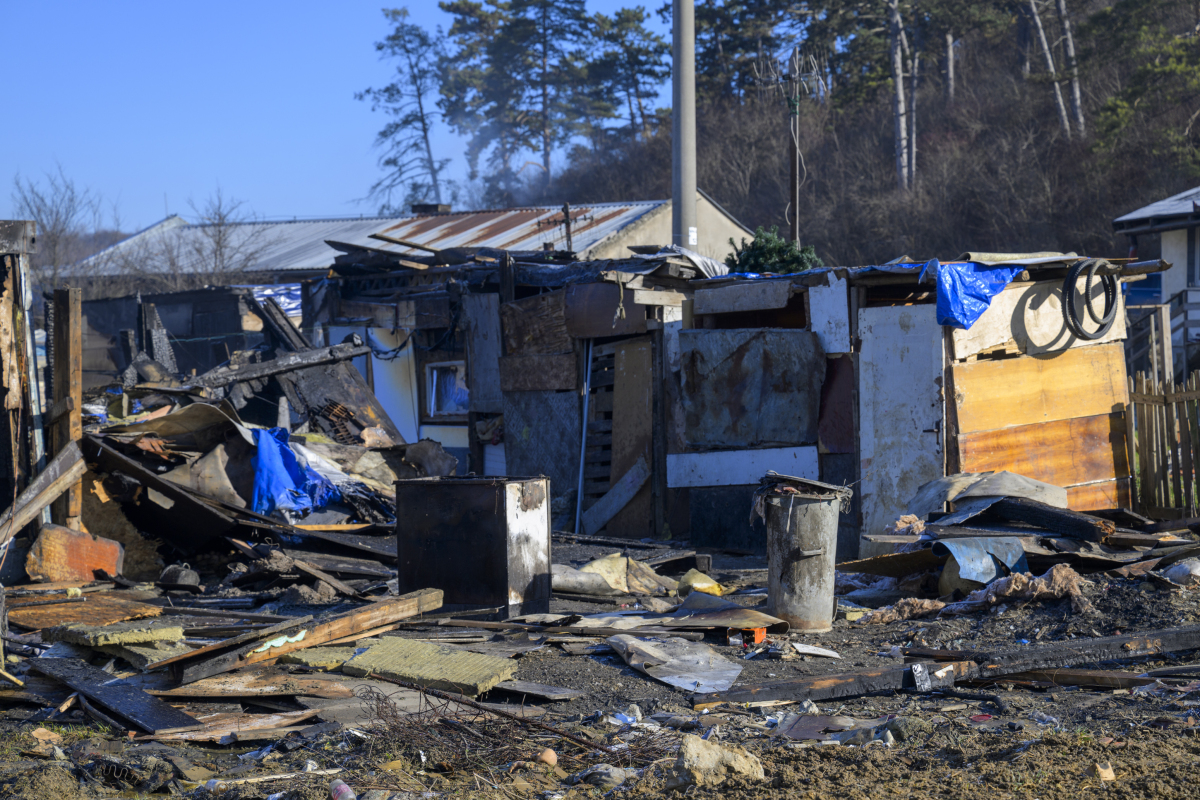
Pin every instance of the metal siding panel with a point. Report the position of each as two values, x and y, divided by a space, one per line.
751 387
900 410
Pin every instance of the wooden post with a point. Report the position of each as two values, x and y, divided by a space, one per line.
68 395
1131 447
1166 357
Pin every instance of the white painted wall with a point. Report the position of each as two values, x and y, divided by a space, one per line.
740 467
900 411
1174 252
395 380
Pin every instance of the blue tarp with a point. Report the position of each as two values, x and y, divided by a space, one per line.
965 289
281 483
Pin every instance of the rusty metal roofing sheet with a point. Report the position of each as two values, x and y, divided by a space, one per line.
300 245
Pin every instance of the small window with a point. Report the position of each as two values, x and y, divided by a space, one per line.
447 387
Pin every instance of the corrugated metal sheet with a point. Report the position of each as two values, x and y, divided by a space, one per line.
300 245
1178 205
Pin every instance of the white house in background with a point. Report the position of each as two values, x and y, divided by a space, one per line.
1176 220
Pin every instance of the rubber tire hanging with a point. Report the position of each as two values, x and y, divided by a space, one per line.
1071 313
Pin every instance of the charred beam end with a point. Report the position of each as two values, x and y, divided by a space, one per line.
223 376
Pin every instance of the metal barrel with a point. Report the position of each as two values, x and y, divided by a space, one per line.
801 548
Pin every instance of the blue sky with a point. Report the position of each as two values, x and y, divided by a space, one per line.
152 104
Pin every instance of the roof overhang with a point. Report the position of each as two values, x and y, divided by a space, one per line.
1171 222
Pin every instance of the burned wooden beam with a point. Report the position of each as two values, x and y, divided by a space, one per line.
1062 521
223 376
845 684
1070 653
62 473
127 702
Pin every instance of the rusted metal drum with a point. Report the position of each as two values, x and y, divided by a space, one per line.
802 524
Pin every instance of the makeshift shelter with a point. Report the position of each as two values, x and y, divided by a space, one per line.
848 375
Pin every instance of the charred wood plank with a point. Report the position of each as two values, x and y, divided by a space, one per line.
223 376
845 684
127 702
1062 521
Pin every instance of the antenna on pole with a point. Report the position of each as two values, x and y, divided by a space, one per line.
799 79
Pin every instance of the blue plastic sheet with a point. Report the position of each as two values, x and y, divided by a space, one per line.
965 289
279 481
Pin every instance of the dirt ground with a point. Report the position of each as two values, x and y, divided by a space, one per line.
1041 744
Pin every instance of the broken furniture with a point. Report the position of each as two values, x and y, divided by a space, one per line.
485 542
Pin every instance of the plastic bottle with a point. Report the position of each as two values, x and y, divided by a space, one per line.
338 790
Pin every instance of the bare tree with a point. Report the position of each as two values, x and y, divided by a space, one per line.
1058 98
222 245
899 111
1073 66
949 66
68 218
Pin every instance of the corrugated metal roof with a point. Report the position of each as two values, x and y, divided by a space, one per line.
1179 205
300 245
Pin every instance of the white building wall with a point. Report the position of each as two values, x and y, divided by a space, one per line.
1174 252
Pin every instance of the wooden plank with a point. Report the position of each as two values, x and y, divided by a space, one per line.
846 684
383 237
482 312
262 682
1003 393
663 297
126 702
536 325
68 383
1030 317
1062 521
1063 452
61 473
599 514
540 690
743 296
632 440
829 312
592 311
228 644
289 362
740 467
100 608
549 372
373 616
1100 496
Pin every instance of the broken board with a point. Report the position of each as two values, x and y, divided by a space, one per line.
540 690
100 608
126 702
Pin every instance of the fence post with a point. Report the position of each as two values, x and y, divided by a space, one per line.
1166 356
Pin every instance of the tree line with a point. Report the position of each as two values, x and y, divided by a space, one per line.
926 127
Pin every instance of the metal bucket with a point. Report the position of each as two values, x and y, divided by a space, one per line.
802 524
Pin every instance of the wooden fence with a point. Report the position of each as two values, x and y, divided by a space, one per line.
1164 436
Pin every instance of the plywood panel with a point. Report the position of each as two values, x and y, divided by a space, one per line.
900 410
1063 452
483 352
536 325
1029 318
1002 393
1097 496
549 373
740 467
593 311
632 437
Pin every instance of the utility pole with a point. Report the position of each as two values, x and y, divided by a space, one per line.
794 136
683 124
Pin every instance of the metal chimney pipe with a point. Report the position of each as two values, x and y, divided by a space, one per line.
683 124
